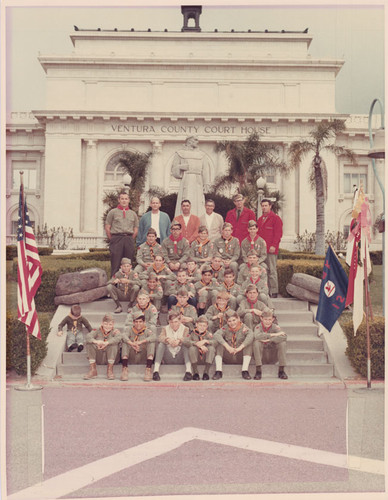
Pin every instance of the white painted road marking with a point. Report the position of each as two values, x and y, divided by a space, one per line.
73 480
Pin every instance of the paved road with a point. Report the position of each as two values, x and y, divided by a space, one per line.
185 439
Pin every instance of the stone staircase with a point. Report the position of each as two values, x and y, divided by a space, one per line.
306 356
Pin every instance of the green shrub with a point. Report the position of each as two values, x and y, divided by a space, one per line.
95 255
286 254
11 251
98 249
357 347
16 345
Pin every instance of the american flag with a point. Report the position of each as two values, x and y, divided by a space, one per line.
29 270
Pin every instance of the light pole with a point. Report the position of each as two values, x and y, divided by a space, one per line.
377 151
260 184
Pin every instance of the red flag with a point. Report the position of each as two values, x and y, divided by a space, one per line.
29 270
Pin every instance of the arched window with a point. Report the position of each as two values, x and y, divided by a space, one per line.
114 171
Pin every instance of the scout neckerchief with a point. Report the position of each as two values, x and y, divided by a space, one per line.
145 308
255 282
182 308
152 253
175 241
228 244
138 332
251 303
216 271
123 209
75 319
126 285
105 334
234 333
253 241
201 337
229 287
221 320
201 244
205 284
265 330
158 270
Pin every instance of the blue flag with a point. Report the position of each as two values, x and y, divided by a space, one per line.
332 295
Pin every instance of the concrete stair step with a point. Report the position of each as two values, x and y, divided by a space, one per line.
285 316
282 304
300 329
176 372
301 342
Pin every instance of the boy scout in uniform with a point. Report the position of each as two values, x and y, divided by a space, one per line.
252 260
228 247
74 323
138 347
147 251
143 305
181 281
175 248
187 313
256 278
193 272
216 314
105 339
201 249
269 336
230 286
254 243
234 345
251 308
124 285
217 266
163 273
154 289
204 289
170 347
201 348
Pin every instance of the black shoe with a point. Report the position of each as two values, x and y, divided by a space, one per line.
72 347
156 376
187 376
80 348
257 375
217 375
196 376
283 375
245 375
205 376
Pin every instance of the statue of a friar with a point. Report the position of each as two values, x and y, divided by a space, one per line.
192 166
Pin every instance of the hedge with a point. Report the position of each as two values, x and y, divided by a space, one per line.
11 251
16 344
285 254
376 257
357 347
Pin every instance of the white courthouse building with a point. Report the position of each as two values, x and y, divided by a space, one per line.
147 91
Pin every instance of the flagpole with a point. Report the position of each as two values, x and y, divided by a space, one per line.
29 386
367 299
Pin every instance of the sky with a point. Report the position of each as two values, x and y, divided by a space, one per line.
351 32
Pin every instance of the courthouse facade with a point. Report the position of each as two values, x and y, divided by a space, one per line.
147 91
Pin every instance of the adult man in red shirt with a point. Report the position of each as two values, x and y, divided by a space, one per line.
239 218
271 230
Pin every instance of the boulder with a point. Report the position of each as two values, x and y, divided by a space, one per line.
83 296
302 293
306 281
88 279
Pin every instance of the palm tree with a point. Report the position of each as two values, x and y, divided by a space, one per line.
322 139
248 160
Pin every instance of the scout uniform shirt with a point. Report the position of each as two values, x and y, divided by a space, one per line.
124 287
261 334
258 245
146 253
150 312
246 307
199 251
122 221
244 274
111 338
234 338
216 324
175 250
187 310
134 336
74 325
227 249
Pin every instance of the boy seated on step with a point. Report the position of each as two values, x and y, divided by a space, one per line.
124 285
231 287
193 271
105 339
170 346
163 273
143 305
74 323
216 313
201 348
154 289
187 313
175 248
269 339
252 260
138 347
233 345
181 281
256 278
251 308
201 249
218 269
204 290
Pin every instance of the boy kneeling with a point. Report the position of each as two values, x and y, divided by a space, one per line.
268 335
138 346
234 345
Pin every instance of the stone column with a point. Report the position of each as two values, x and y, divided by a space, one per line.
156 171
89 218
290 207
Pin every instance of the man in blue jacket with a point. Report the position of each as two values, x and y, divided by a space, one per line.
156 219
